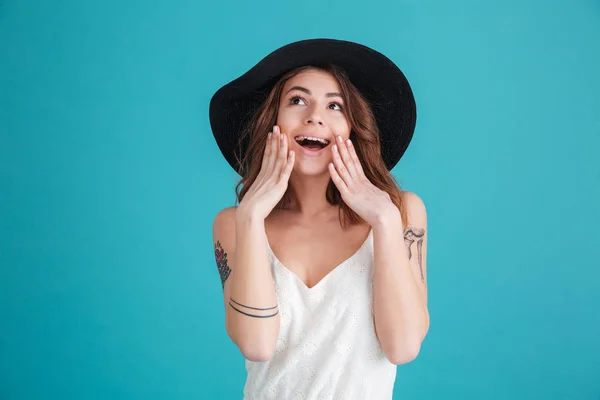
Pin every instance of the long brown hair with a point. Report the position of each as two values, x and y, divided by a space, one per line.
364 135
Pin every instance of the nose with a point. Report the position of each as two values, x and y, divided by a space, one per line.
314 117
313 121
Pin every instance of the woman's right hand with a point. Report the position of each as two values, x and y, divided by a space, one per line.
272 180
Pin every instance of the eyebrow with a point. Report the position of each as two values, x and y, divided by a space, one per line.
305 90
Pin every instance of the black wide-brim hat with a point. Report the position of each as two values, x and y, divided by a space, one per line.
378 79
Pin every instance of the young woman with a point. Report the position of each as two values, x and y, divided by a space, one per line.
323 261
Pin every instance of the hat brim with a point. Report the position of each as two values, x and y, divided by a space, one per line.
378 79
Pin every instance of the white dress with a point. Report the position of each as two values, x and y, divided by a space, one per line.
327 348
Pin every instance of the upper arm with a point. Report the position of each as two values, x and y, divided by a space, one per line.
415 238
224 246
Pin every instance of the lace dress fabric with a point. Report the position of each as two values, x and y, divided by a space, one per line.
327 348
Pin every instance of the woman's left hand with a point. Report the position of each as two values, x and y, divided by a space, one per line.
367 200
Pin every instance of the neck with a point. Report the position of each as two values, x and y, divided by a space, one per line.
307 195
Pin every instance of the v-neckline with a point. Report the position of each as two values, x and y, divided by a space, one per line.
337 267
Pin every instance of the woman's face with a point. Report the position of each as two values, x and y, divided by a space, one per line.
311 116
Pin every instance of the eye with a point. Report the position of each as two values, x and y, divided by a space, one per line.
338 105
296 99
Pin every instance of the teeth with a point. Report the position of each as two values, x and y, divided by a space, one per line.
315 139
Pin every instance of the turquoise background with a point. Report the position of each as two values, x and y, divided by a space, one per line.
110 180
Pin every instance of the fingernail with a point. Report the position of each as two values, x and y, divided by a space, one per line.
348 142
340 139
335 148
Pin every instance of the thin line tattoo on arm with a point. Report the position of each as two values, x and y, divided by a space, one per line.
412 235
221 258
224 272
252 308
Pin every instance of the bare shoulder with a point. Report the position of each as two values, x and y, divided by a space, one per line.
225 219
224 227
415 207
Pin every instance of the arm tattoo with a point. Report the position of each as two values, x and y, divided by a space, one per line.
221 258
412 235
252 308
224 271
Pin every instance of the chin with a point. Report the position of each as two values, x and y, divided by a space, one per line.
310 168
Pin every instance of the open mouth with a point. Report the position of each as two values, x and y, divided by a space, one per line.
312 143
